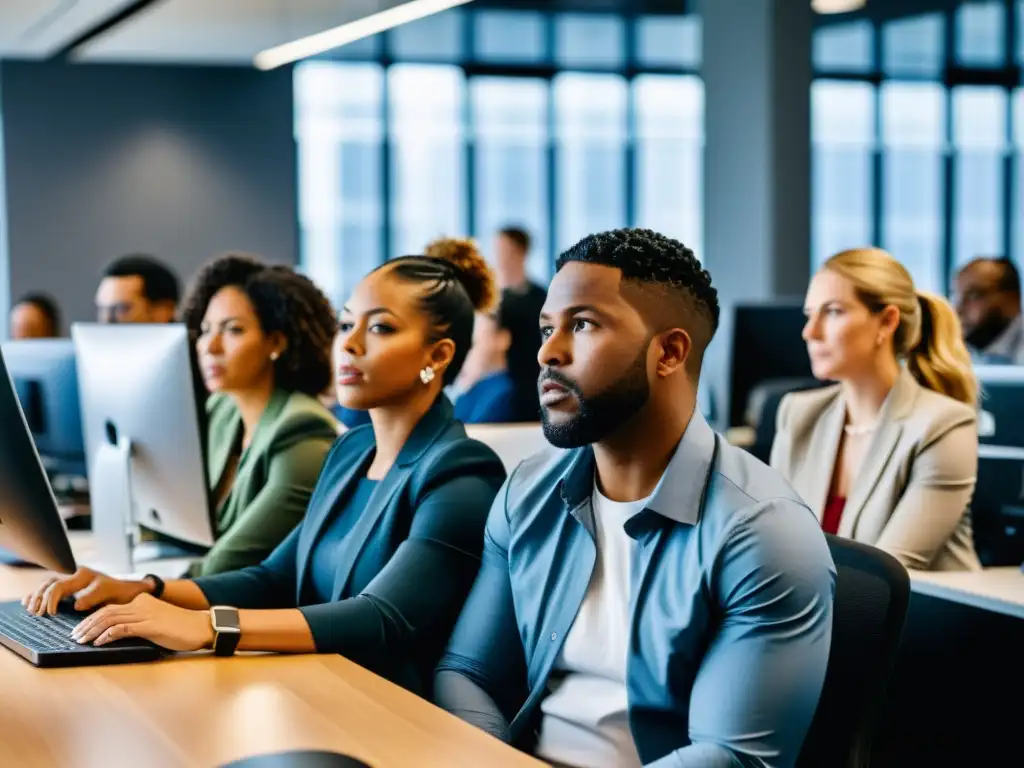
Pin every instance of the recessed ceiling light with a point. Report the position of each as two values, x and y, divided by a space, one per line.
837 6
327 40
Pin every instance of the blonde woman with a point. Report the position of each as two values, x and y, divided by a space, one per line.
889 455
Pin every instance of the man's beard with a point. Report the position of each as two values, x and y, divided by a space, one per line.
987 331
599 415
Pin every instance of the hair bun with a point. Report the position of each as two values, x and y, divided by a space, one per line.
470 268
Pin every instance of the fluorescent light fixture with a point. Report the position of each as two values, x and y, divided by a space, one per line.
351 31
836 6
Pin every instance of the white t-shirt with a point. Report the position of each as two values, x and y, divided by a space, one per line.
585 716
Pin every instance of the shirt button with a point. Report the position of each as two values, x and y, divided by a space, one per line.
554 635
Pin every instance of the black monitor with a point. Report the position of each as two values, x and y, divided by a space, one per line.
45 379
31 527
998 505
767 346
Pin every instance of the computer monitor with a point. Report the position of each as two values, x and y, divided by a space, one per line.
46 382
766 346
998 505
143 435
31 527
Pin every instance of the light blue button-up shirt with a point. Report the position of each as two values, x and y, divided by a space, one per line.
730 601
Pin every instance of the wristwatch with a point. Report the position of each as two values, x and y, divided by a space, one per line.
227 630
158 585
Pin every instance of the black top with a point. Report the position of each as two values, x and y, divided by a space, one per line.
520 308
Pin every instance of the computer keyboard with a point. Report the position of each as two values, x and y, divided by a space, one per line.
45 641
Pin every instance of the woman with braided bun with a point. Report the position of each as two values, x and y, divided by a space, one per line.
391 541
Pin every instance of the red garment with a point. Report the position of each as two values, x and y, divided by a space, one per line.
833 514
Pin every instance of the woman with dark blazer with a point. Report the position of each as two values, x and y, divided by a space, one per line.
389 548
263 342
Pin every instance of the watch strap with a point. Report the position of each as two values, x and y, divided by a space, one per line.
158 585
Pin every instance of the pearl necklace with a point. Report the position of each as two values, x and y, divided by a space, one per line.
858 431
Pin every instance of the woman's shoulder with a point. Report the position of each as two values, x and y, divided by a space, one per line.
455 454
808 404
305 414
934 413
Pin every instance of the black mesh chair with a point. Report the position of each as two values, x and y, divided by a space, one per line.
872 593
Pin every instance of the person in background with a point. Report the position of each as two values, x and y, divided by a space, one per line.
987 295
137 289
888 456
387 552
650 595
263 339
35 316
521 302
486 392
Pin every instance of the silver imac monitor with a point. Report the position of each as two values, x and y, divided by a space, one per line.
143 434
31 528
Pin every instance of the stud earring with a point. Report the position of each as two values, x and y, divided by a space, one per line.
274 356
427 375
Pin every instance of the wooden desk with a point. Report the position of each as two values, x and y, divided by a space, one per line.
199 711
995 589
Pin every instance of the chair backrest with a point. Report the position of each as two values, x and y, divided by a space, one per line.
512 442
872 593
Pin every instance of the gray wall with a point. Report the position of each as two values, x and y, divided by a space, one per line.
180 162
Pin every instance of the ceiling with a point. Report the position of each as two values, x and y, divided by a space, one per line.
233 31
34 29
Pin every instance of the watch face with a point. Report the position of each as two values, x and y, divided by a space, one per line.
225 619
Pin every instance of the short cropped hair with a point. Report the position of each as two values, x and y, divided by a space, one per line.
654 260
519 236
159 283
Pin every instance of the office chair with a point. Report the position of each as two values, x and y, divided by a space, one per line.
872 593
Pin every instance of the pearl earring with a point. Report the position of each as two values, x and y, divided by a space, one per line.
274 356
427 375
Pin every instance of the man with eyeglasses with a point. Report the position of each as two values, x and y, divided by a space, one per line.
987 296
137 289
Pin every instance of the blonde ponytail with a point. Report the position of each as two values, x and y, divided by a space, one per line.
940 360
929 335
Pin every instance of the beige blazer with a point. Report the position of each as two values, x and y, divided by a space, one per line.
912 493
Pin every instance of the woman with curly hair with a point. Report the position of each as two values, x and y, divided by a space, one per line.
389 547
263 337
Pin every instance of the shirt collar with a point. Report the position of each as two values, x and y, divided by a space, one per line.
679 494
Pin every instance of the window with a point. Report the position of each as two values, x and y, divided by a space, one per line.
981 34
438 37
509 36
847 47
510 118
980 141
590 173
669 41
339 133
843 146
913 141
428 163
669 156
914 47
1017 192
481 117
589 41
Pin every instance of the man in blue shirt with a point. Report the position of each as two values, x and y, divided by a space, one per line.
649 595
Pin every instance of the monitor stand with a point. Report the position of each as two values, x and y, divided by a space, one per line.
113 515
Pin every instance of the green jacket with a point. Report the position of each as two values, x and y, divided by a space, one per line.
275 477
